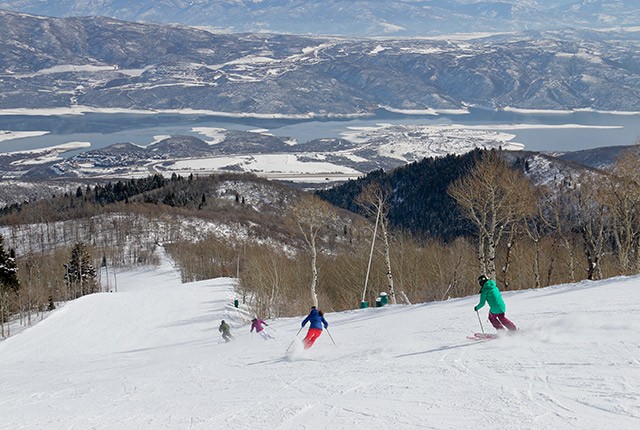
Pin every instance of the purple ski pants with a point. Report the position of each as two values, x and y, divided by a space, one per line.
500 322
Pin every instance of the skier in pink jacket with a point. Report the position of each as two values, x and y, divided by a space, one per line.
259 326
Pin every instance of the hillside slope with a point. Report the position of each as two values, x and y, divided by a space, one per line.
150 357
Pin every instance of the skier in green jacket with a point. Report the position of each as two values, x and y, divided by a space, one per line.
489 293
226 331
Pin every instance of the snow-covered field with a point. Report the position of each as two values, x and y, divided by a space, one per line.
265 164
11 135
150 357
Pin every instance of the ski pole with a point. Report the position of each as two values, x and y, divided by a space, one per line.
294 339
480 321
331 337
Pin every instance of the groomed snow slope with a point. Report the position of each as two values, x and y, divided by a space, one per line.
150 357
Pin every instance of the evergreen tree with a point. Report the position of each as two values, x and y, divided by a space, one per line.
9 283
80 274
418 202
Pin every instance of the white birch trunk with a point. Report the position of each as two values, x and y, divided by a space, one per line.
314 270
2 313
387 259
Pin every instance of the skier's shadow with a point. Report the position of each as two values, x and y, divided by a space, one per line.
442 348
277 360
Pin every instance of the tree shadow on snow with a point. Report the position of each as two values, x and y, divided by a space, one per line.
165 346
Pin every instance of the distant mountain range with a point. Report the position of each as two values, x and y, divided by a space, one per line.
101 63
352 17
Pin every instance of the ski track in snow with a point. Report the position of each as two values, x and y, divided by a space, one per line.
150 357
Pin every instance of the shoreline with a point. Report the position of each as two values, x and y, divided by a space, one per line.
83 110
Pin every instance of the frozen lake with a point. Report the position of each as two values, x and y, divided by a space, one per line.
539 131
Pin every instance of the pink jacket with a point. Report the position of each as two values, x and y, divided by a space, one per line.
258 325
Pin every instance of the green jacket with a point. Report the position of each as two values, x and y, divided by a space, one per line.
489 293
224 328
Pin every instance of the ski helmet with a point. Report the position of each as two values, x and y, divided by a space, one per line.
482 279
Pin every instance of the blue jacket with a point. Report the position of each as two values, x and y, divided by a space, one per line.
316 320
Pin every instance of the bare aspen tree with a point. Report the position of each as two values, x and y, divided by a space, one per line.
27 292
408 262
311 215
559 215
513 234
374 199
494 197
622 196
593 219
275 282
261 276
449 264
533 226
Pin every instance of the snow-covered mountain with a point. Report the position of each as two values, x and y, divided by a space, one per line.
352 17
88 64
149 356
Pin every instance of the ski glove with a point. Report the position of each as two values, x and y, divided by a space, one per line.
475 308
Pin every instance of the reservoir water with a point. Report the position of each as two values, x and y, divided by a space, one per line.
537 131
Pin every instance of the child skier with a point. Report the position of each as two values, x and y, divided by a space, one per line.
489 293
258 325
316 318
226 331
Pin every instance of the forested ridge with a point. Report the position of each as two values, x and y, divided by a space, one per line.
418 201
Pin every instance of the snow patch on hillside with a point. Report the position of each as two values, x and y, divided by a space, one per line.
216 135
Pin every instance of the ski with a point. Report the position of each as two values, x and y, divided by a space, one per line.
482 336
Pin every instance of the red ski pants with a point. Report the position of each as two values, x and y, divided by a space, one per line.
310 338
499 321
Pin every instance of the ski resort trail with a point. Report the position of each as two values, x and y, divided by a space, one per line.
150 357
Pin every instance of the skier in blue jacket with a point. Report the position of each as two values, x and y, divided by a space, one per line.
317 320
